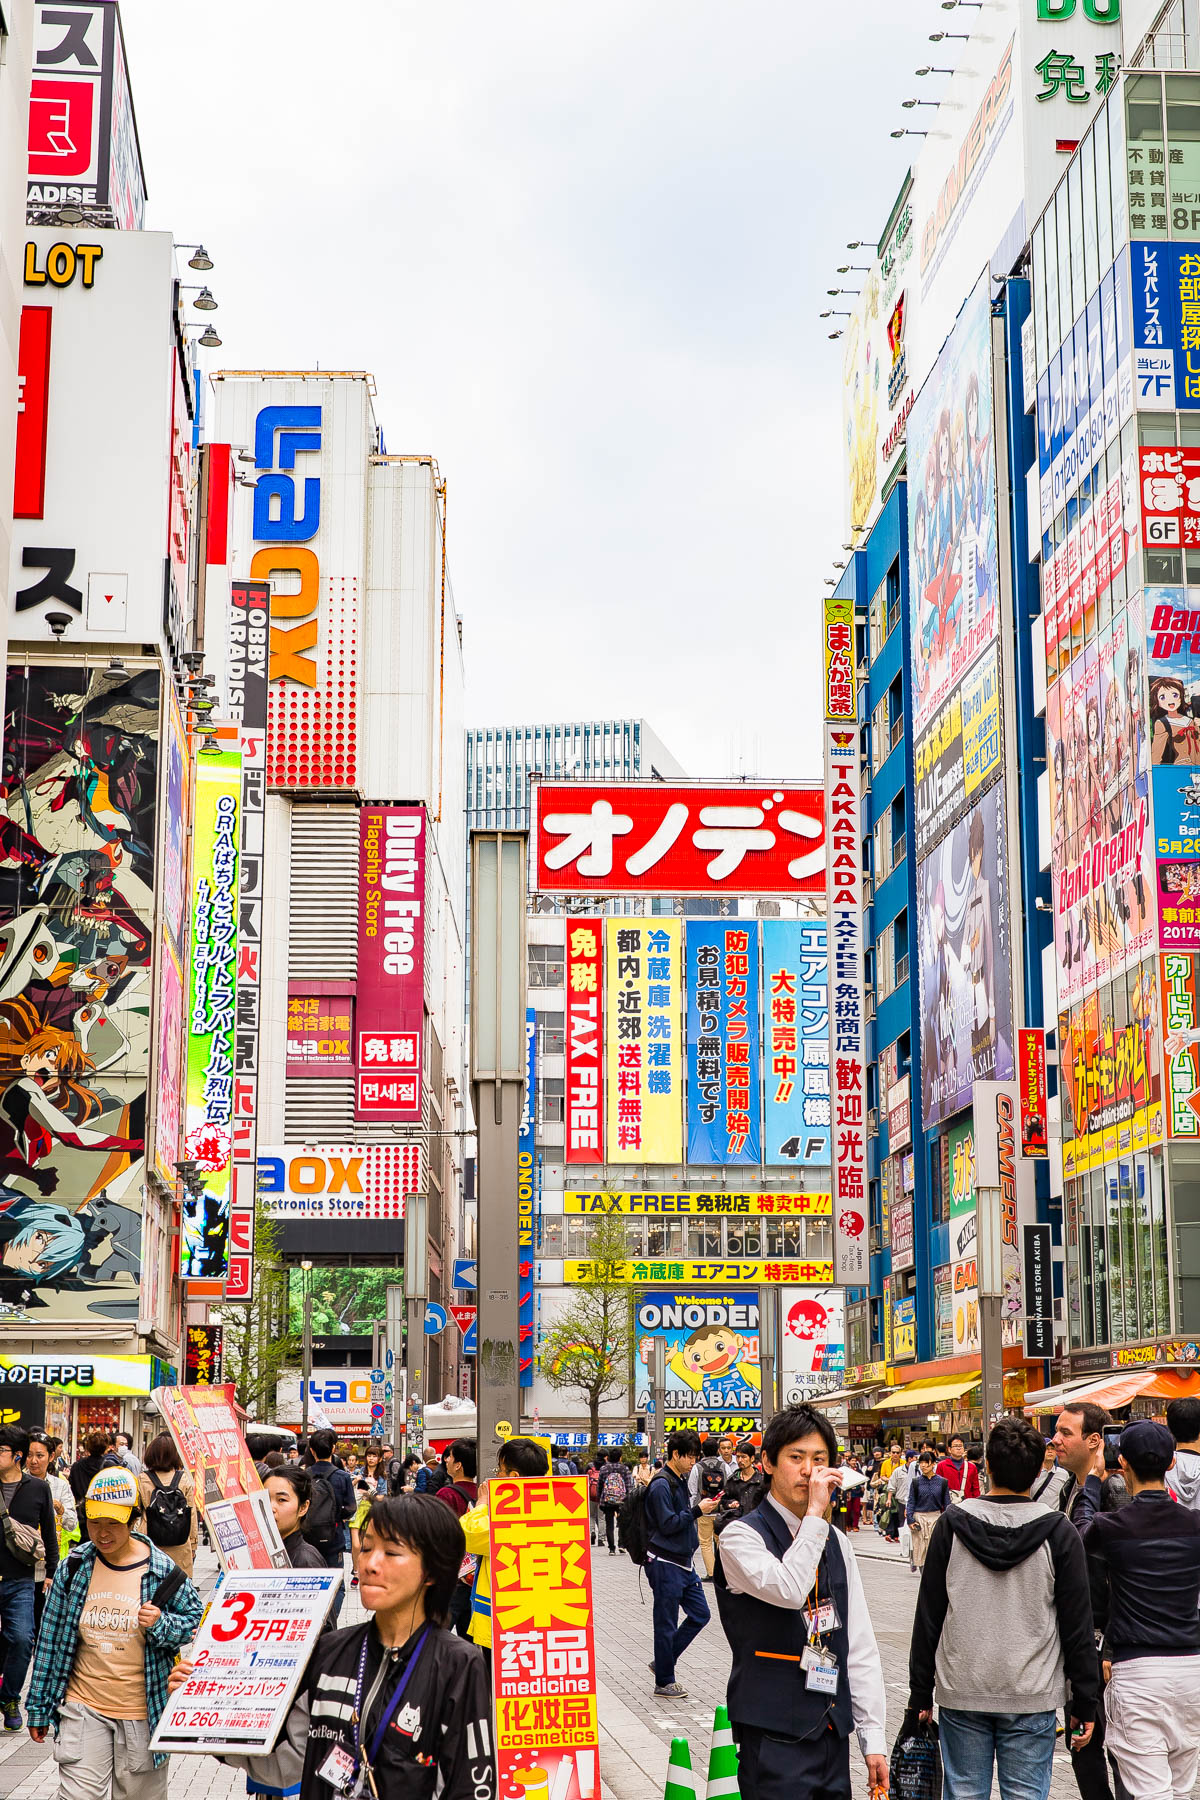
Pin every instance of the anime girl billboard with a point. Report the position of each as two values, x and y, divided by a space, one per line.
966 975
952 543
77 839
711 1351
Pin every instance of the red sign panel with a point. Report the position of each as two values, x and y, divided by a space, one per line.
585 1056
543 1643
1031 1067
320 1030
1170 495
648 838
63 134
463 1316
391 962
33 377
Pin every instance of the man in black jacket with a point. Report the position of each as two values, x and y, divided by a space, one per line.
1144 1565
323 1468
1003 1627
672 1540
30 1503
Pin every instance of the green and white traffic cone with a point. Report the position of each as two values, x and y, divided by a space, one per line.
681 1781
722 1759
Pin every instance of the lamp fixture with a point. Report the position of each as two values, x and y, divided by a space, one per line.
208 339
116 666
830 313
835 334
940 37
930 70
909 104
858 268
949 5
70 214
58 622
835 292
904 132
210 746
204 301
200 260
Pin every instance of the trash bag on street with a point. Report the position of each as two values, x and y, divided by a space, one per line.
916 1765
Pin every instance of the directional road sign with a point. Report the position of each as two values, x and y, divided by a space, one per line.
435 1318
471 1341
464 1274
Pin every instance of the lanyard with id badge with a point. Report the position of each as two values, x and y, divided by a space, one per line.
819 1663
353 1776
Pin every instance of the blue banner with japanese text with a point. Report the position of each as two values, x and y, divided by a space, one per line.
796 1103
723 1041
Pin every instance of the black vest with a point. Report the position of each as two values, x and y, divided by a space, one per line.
766 1685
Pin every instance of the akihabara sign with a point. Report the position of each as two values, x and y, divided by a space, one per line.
650 838
391 962
338 1181
83 147
314 616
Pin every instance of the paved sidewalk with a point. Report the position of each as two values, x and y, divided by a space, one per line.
636 1728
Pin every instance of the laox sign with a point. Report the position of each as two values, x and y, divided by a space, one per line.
281 433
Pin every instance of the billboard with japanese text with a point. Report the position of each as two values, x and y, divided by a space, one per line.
710 1350
701 1206
1110 1079
643 1027
652 837
847 1007
723 1122
952 537
966 972
80 828
390 1003
797 1105
211 1010
812 1342
584 1108
1181 1045
83 145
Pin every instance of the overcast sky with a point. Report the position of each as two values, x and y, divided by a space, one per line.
582 248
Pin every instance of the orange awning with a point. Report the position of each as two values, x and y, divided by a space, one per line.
1124 1385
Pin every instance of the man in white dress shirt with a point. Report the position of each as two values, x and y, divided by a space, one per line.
806 1668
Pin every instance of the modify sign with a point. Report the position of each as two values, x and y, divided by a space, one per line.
543 1648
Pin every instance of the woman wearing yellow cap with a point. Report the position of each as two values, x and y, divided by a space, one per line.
116 1615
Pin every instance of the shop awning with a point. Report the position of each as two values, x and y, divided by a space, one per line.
841 1396
918 1393
1119 1388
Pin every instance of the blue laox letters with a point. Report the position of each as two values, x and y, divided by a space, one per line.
280 434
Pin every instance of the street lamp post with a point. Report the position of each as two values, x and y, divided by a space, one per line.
416 1293
767 1341
306 1349
498 1060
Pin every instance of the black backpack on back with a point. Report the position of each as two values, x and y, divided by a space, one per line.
169 1514
321 1522
712 1477
632 1534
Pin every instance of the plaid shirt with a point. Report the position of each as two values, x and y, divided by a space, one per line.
58 1638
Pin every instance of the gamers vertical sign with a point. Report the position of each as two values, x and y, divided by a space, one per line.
390 1009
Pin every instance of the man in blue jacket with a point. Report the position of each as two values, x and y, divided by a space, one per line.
672 1540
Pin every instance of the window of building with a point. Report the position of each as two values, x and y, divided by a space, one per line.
885 966
551 1236
553 1092
551 1035
899 845
547 968
892 585
877 614
900 927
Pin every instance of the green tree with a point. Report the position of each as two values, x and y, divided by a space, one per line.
258 1341
588 1350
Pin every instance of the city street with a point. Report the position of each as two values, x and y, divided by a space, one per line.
636 1729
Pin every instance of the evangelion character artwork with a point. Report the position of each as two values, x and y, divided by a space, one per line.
966 980
953 555
77 832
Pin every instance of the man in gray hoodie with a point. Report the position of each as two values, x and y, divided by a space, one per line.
1183 1478
1018 1565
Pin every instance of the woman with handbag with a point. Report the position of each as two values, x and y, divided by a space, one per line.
117 1612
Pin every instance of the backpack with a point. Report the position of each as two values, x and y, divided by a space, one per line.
613 1491
712 1477
321 1522
593 1481
632 1534
169 1514
23 1542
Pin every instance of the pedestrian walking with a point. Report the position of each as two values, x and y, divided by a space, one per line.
928 1498
595 1475
118 1611
898 1485
707 1482
854 1500
806 1666
28 1559
289 1489
123 1445
331 1507
743 1490
1091 1489
642 1470
1079 1445
461 1491
79 1476
614 1491
960 1474
38 1463
1183 1477
168 1496
397 1706
1052 1480
1003 1628
432 1474
1144 1564
671 1544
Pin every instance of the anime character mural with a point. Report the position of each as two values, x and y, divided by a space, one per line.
966 974
78 801
953 544
711 1350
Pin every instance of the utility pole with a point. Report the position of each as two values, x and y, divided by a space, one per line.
498 1066
306 1350
767 1341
